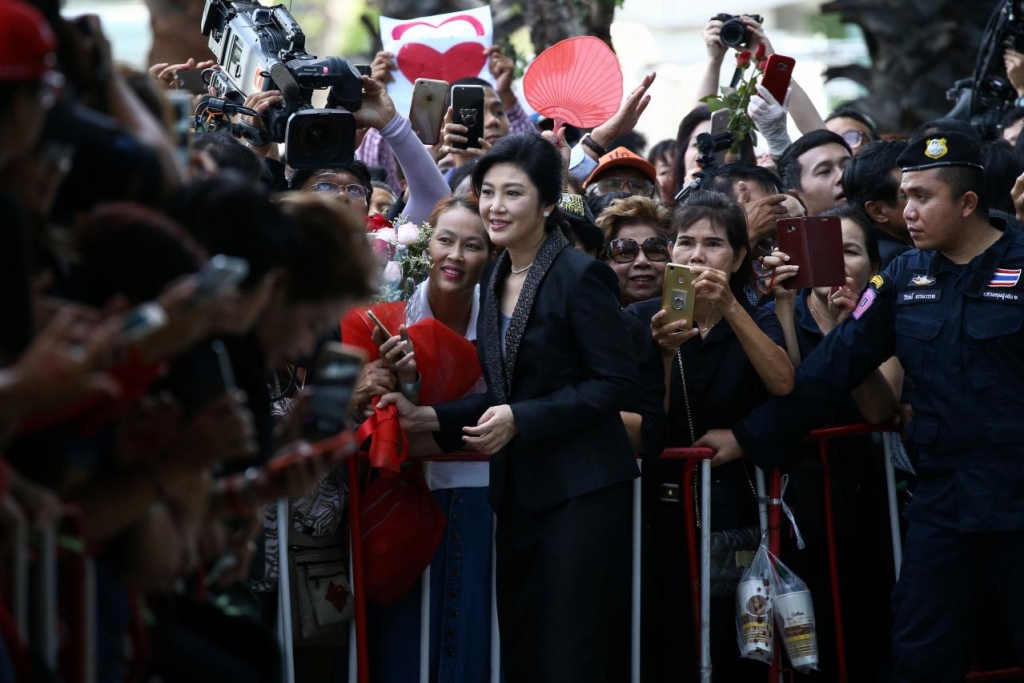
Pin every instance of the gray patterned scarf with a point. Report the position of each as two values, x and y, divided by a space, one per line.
499 374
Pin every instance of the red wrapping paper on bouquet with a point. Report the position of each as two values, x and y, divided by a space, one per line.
447 363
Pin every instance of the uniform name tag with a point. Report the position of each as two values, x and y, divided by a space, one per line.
920 296
1000 295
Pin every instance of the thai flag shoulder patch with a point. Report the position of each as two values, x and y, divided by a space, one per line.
1004 277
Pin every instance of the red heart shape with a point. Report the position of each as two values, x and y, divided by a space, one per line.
416 60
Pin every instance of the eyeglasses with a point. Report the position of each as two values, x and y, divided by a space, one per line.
636 186
353 191
625 250
854 138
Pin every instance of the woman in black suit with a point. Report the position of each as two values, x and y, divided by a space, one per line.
559 367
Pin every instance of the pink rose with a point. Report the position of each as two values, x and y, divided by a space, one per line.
408 234
392 273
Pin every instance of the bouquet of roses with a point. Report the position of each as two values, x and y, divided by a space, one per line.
401 250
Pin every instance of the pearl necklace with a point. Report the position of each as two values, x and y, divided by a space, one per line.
521 270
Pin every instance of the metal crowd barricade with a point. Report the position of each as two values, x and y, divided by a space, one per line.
701 586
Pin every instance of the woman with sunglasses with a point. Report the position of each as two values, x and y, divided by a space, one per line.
718 366
559 366
636 246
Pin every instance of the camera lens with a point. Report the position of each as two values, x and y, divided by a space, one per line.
320 139
316 135
734 33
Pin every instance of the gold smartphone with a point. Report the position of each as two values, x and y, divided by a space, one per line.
678 296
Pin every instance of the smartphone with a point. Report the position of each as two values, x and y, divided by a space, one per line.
380 326
720 126
426 112
364 70
333 383
778 72
190 80
815 243
142 321
468 111
183 124
678 296
218 275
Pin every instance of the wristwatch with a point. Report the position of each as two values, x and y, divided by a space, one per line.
591 143
409 390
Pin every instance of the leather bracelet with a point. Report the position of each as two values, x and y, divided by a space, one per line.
593 145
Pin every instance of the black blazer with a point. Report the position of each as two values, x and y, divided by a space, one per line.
568 369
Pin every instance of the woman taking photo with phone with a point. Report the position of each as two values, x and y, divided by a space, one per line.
558 363
718 367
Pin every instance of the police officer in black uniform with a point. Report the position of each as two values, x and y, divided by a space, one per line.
952 311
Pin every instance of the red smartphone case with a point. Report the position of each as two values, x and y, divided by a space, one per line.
778 72
816 245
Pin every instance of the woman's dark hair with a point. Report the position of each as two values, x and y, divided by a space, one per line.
129 249
866 225
1003 164
333 259
868 176
534 156
726 215
664 150
697 116
460 173
231 216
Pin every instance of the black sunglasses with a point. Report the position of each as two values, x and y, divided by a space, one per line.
625 250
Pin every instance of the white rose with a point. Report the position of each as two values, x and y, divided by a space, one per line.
386 234
392 273
408 234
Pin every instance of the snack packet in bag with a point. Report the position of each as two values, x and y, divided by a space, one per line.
794 614
755 628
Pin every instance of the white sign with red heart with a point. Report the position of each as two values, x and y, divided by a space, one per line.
444 47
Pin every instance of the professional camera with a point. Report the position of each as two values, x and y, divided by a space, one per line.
987 95
734 32
708 146
262 48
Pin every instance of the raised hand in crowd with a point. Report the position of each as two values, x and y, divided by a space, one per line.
1014 63
455 134
165 73
770 117
671 335
503 70
382 66
261 102
762 214
625 119
377 108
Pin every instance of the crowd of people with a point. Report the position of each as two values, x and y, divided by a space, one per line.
164 305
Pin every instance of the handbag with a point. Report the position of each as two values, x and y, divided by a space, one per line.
732 550
402 529
322 603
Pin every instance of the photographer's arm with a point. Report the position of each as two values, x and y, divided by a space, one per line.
716 55
426 184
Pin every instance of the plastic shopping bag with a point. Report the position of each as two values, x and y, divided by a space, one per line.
754 621
794 614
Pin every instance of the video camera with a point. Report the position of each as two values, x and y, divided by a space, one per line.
708 146
262 48
987 95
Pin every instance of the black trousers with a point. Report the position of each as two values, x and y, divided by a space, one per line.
936 599
563 588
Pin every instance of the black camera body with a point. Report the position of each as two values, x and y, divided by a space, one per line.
734 32
262 48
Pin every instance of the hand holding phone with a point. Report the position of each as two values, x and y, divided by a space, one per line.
218 275
468 111
678 296
815 244
426 112
778 72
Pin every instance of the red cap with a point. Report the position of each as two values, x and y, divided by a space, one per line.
26 42
620 156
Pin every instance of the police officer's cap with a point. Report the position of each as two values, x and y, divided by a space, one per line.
941 149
